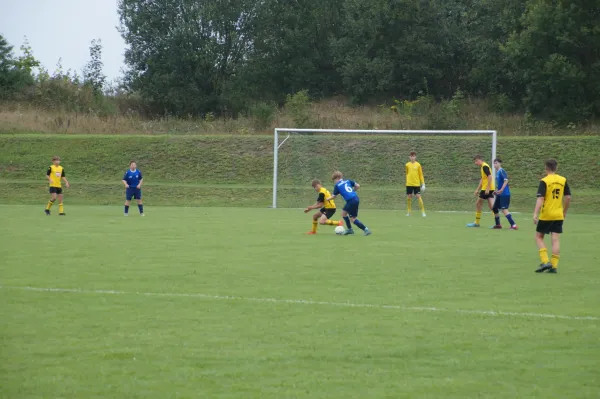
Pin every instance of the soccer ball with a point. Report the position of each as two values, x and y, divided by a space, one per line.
339 230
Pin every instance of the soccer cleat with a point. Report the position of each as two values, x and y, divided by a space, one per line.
408 214
310 233
554 270
62 214
544 267
367 232
496 227
341 223
514 227
472 225
424 215
125 214
141 214
348 232
47 212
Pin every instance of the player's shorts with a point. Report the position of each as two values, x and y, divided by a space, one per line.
328 212
549 226
55 190
483 195
352 207
413 190
133 193
501 202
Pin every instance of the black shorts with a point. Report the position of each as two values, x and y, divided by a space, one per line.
328 212
549 226
483 195
413 190
501 202
55 190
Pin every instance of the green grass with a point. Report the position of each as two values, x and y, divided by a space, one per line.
238 303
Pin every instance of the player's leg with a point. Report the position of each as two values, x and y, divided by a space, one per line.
556 232
138 197
51 201
478 207
315 222
421 204
409 196
496 211
354 216
507 214
346 218
61 207
541 231
326 218
128 197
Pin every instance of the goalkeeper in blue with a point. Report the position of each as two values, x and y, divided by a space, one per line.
347 189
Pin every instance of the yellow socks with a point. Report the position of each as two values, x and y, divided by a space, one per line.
544 256
332 222
314 226
408 204
554 260
61 208
49 205
421 205
477 217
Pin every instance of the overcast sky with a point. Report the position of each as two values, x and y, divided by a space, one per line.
64 29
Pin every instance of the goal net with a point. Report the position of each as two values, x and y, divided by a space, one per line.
376 159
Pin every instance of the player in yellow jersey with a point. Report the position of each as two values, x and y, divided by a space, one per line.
415 183
553 199
55 175
485 189
326 208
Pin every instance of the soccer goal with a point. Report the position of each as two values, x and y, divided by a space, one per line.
376 159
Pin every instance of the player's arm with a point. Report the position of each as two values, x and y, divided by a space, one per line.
124 180
541 194
505 177
488 173
421 178
567 199
141 181
48 173
478 189
64 178
356 186
336 192
319 204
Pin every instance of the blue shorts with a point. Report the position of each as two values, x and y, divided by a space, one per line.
501 202
133 192
352 207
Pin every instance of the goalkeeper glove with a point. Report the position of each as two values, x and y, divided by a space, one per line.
423 187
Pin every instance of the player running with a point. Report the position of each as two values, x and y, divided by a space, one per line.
133 187
326 211
552 191
55 175
347 189
415 183
485 189
502 201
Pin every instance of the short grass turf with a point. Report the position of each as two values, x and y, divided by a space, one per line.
239 303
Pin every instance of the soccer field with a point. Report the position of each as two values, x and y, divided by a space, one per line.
239 303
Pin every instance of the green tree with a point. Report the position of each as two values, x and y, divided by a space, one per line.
93 74
15 73
555 59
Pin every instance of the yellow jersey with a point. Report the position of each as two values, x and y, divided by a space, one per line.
486 174
414 175
323 195
56 173
553 188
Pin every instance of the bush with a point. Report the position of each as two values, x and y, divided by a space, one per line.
298 106
262 114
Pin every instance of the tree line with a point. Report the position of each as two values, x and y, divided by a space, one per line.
193 57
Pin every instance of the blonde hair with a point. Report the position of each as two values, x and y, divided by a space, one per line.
336 175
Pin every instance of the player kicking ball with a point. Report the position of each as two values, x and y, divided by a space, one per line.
347 189
133 187
326 208
485 190
552 191
502 201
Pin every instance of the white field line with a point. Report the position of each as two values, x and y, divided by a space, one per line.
497 313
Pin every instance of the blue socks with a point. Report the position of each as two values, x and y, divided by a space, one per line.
497 218
359 224
347 220
510 219
126 209
141 208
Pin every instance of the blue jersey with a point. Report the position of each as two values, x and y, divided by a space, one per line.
501 176
132 177
345 188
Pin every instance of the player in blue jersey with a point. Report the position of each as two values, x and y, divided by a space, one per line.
502 194
347 189
133 187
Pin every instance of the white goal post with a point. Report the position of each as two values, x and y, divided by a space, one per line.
290 131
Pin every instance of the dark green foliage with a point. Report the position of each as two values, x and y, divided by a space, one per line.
15 73
263 114
92 73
